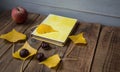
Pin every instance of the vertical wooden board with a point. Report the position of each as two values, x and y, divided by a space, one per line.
6 57
83 53
107 57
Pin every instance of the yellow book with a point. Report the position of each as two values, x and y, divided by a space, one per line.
54 29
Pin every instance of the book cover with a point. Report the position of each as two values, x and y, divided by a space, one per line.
54 29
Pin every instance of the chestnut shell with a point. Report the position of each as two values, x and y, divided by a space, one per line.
40 57
45 46
24 53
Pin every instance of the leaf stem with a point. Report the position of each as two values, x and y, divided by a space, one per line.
21 67
70 50
13 48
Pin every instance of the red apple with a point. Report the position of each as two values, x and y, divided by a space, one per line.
19 14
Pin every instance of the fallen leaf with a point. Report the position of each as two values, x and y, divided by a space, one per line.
32 51
43 28
79 38
13 36
52 61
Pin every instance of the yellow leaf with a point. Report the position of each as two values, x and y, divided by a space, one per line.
43 28
13 36
31 50
52 61
79 38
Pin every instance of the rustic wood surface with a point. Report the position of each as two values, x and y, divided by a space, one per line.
84 53
107 57
100 54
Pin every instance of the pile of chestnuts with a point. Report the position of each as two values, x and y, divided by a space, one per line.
39 56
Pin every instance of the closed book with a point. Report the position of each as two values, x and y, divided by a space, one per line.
54 29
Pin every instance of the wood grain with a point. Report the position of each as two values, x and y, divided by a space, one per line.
33 43
8 63
5 19
107 57
83 53
9 27
100 54
87 51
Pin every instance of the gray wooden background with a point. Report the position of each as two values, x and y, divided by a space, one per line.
105 12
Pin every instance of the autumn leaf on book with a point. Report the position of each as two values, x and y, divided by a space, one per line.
43 28
54 29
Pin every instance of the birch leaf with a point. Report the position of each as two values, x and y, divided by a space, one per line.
43 28
13 36
31 50
79 38
52 61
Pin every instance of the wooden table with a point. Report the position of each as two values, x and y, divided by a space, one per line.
101 54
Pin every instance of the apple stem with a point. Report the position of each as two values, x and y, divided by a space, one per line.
18 8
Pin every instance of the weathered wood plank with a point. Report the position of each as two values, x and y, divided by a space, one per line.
5 50
107 56
5 19
84 53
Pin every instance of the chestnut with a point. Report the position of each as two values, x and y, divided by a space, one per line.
24 53
45 46
40 57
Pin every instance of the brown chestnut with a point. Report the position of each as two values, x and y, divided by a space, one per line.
40 57
24 53
45 46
